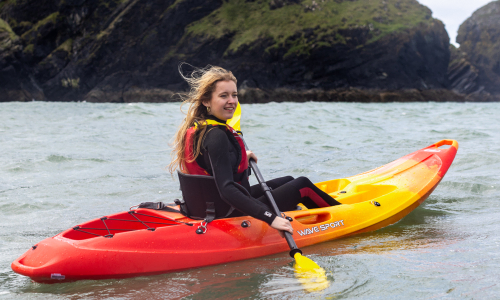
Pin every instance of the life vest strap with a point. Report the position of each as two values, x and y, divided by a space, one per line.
210 212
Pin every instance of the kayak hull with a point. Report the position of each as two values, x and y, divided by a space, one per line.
146 242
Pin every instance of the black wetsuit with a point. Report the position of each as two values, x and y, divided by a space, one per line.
221 150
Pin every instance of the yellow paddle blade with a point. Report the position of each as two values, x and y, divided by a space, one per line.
309 274
304 263
235 120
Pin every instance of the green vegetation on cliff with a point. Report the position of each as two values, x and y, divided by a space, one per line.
4 27
32 33
7 36
250 21
66 46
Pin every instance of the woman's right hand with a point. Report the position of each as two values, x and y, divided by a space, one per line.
282 224
251 155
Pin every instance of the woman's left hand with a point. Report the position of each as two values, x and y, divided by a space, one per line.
250 154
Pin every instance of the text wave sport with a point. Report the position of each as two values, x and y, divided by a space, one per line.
145 242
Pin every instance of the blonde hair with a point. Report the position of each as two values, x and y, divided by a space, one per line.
202 82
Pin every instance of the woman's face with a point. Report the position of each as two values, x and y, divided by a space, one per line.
224 100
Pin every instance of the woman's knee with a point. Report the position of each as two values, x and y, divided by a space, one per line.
302 182
277 182
284 179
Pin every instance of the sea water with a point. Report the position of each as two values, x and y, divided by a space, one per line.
62 164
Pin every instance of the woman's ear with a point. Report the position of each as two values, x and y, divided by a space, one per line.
206 103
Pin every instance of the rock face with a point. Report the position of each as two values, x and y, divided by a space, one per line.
129 50
16 82
461 73
479 38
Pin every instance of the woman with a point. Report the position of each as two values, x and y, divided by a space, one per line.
205 145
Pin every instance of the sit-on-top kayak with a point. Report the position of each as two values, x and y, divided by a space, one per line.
146 241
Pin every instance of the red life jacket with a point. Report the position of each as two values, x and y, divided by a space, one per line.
192 167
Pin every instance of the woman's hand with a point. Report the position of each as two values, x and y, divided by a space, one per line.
282 224
250 154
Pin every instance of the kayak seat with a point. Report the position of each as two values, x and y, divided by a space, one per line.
201 197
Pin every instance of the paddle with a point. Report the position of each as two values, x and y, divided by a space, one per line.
309 273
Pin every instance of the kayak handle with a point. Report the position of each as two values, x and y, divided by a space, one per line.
452 143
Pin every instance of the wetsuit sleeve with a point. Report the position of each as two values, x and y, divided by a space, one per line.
216 147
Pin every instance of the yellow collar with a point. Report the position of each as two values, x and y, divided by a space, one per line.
210 122
213 122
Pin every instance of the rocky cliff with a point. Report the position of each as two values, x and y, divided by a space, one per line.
475 66
129 50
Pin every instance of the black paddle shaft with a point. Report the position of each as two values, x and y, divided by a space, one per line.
267 191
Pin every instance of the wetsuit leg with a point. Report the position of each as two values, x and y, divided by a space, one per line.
308 189
286 197
256 190
288 193
299 190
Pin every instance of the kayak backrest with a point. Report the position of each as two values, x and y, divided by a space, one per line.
197 191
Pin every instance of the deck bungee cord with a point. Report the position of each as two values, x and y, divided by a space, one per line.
135 214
